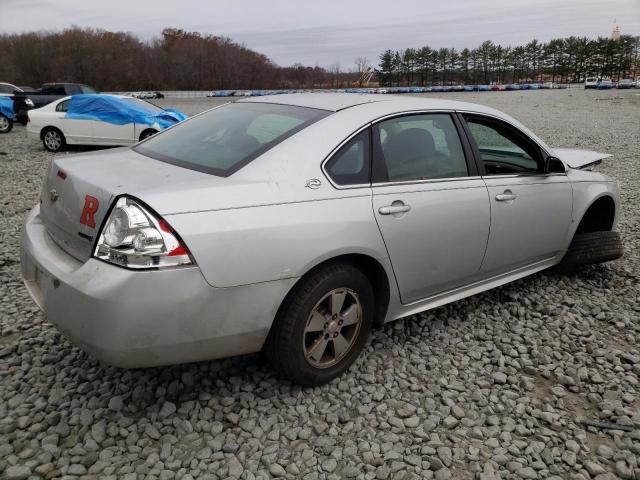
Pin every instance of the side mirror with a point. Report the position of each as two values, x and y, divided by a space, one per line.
553 165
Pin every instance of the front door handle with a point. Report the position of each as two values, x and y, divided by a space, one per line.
506 196
394 208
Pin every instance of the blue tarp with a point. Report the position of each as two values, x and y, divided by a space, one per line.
120 111
6 107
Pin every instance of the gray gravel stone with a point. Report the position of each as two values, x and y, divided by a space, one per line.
167 409
277 470
17 472
489 387
115 403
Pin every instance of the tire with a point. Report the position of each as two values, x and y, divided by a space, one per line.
53 139
6 124
298 331
147 133
591 248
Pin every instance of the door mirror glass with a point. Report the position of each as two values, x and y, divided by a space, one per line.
553 165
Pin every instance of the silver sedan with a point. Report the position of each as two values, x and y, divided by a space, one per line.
293 224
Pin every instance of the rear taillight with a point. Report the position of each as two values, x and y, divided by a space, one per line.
133 237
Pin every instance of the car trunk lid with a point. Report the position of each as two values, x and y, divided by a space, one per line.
79 190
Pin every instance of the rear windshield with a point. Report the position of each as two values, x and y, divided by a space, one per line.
225 139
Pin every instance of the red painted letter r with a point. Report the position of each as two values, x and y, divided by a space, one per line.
91 205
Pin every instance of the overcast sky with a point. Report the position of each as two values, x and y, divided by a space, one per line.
324 32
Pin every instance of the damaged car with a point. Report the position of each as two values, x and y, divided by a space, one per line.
295 225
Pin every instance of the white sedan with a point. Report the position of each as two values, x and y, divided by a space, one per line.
98 120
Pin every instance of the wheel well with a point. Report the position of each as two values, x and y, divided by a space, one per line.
44 130
598 217
372 270
142 134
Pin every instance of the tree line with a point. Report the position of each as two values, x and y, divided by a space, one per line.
117 61
182 60
559 60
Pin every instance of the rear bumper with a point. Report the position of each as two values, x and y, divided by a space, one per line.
33 132
149 318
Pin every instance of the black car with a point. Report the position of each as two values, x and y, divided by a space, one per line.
26 100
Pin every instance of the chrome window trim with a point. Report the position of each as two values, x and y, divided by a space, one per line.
504 120
419 182
369 125
542 148
412 182
412 112
334 151
518 175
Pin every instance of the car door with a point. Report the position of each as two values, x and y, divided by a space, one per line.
115 123
530 209
75 130
430 205
106 133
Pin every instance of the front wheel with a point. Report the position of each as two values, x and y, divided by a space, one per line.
53 139
323 325
6 124
591 248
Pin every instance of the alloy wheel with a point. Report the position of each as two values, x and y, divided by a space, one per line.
52 140
332 328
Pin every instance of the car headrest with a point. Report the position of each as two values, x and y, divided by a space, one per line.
409 144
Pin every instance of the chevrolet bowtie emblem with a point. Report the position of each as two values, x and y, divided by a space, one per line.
53 195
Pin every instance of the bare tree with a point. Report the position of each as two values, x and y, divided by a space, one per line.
363 69
335 71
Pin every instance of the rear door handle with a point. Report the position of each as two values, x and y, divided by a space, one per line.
394 208
506 196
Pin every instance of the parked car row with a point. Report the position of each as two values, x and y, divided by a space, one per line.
146 95
606 84
394 90
27 98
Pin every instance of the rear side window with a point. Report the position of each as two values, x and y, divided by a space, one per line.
418 147
225 139
351 164
502 150
63 106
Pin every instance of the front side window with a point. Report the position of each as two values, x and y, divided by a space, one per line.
351 164
418 147
502 150
63 106
225 139
4 88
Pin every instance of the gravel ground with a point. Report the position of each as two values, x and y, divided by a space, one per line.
490 387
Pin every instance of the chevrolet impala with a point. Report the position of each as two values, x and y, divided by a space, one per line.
294 224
